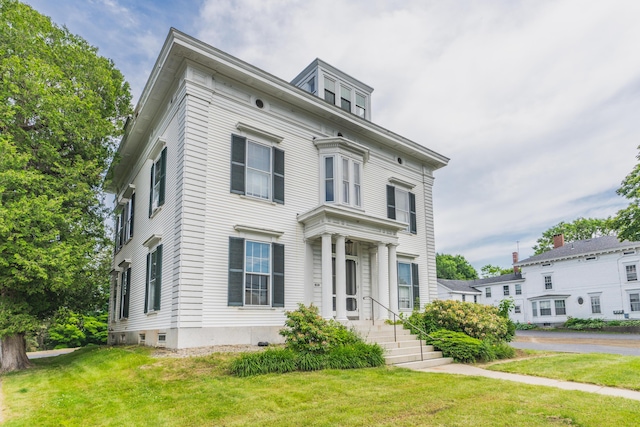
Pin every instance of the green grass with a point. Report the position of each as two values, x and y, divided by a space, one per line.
104 386
595 368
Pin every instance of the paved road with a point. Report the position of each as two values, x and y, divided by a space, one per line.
579 342
49 353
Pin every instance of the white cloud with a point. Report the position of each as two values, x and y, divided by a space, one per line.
535 102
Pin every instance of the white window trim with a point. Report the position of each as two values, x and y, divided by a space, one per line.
544 281
626 273
269 275
410 285
248 169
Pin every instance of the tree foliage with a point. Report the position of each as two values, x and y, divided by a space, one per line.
580 229
494 271
454 267
627 220
61 108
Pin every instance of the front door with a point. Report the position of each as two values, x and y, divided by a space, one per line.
351 269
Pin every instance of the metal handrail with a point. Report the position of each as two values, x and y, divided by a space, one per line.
395 339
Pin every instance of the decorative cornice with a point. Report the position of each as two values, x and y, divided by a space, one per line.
244 127
257 230
344 144
152 241
401 183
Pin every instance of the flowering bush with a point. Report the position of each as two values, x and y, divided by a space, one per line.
476 320
307 332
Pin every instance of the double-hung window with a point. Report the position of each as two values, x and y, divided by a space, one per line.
345 98
505 290
595 304
401 206
408 285
634 301
548 283
125 293
545 308
256 273
154 280
518 289
124 222
632 274
257 170
487 292
517 309
534 308
329 90
158 184
560 307
361 106
346 171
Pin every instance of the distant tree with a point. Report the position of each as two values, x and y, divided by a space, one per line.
627 220
494 271
580 229
61 108
454 267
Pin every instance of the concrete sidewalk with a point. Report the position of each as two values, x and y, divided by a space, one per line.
460 369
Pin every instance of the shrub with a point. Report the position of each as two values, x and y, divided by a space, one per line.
307 331
580 324
503 350
525 326
70 329
479 321
458 345
271 360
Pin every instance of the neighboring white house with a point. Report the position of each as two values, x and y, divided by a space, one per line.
594 278
240 195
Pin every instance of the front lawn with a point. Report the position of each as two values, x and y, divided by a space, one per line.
595 368
103 386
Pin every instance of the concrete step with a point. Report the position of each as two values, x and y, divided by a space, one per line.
414 357
427 363
406 342
397 351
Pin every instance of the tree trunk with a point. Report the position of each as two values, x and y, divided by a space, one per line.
13 353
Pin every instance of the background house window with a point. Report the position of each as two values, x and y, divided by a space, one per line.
487 292
560 307
518 289
517 309
464 297
408 286
534 308
401 206
330 91
125 286
595 304
256 273
632 274
475 298
545 308
505 290
548 284
158 178
634 300
257 170
154 280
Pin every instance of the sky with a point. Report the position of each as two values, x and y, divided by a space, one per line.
536 103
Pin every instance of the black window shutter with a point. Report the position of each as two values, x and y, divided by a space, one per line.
238 147
236 271
146 286
278 275
153 165
163 175
415 282
413 225
156 299
391 202
133 211
278 176
127 290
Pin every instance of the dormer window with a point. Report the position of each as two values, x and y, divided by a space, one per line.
311 85
361 106
329 90
345 98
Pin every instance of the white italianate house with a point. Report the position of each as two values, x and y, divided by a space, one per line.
594 278
239 195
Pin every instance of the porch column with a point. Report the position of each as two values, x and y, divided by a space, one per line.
373 259
327 285
341 279
383 280
393 279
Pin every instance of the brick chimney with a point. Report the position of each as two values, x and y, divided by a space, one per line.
558 241
514 256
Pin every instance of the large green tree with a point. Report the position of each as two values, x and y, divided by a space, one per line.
454 267
580 229
494 271
61 108
627 221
